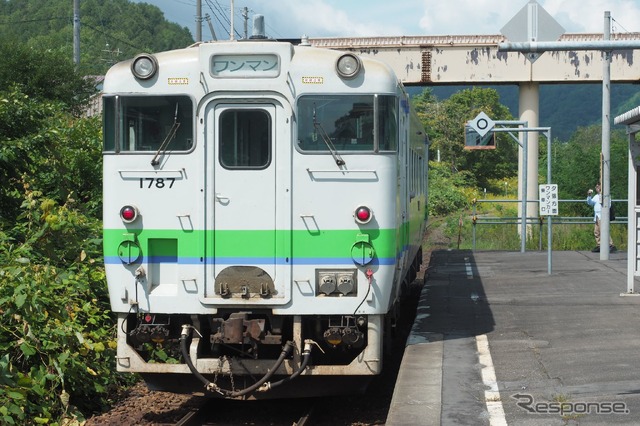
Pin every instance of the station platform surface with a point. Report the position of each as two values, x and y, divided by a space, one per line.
498 340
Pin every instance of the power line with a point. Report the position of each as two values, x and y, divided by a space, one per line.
620 25
36 20
84 24
219 13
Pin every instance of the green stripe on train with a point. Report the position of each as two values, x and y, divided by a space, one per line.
329 243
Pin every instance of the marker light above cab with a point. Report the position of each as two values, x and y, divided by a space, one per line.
144 66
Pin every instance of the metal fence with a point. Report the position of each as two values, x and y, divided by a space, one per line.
541 220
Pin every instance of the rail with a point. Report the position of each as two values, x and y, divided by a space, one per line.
538 220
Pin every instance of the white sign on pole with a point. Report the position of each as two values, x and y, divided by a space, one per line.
548 196
482 124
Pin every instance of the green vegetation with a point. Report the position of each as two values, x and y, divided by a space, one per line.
57 335
580 104
460 177
110 31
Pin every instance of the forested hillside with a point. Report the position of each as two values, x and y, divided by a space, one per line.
564 107
110 30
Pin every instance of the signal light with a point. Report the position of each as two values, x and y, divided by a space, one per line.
363 214
128 214
333 336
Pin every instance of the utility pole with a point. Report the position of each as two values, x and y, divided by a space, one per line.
232 29
213 32
605 229
199 20
76 32
245 15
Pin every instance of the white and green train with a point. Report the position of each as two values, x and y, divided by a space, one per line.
264 208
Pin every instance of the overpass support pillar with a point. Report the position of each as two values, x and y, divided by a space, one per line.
529 103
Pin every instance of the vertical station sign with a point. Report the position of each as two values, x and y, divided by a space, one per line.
548 196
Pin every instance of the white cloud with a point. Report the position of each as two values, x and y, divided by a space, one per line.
588 15
466 16
292 18
489 16
362 18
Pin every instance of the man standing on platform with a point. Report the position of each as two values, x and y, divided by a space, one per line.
596 202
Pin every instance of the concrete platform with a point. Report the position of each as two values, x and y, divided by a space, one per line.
498 340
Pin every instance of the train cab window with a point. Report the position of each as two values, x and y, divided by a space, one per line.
347 123
145 123
244 139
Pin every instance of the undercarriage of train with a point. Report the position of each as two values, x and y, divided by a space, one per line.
257 346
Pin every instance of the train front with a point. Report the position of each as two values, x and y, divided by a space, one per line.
255 233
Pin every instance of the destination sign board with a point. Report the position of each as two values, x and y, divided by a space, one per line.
240 66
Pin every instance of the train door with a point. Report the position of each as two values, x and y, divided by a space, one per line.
248 156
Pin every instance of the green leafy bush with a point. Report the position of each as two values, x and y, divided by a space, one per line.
448 190
57 335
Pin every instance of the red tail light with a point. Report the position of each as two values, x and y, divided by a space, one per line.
363 214
128 214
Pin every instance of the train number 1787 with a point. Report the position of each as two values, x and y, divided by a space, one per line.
159 183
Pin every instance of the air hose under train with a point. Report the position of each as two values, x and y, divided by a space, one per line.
212 387
306 355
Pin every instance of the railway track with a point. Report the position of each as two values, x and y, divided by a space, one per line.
205 416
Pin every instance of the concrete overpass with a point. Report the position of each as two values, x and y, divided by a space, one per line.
475 59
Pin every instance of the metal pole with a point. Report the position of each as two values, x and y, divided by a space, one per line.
606 143
245 15
549 218
232 29
524 147
632 219
523 231
473 228
199 20
565 46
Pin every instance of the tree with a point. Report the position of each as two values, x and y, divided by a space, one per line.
576 166
445 123
42 74
110 31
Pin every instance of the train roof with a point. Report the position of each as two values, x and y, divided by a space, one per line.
244 60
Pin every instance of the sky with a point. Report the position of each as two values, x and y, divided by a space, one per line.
365 18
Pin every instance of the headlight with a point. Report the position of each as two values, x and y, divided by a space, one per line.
348 65
144 66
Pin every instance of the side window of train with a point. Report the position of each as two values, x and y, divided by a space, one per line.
244 138
144 123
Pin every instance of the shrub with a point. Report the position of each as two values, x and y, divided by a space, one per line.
57 335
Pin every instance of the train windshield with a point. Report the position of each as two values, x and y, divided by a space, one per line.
148 123
352 123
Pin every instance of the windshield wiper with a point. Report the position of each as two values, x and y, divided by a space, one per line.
165 143
327 141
